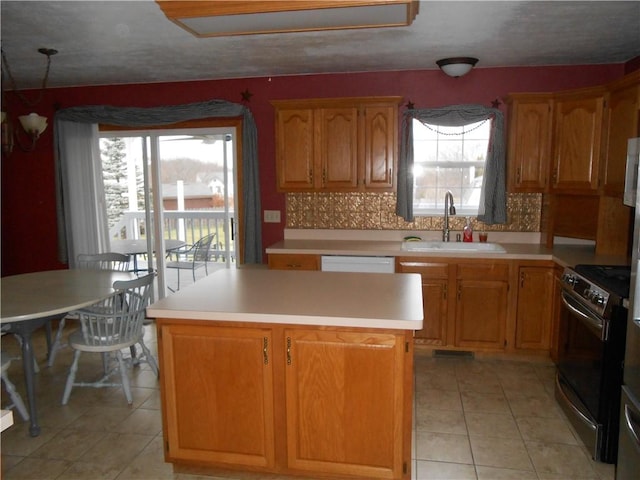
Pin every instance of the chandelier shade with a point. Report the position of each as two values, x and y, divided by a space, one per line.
457 66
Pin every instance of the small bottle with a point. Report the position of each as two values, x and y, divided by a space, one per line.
467 232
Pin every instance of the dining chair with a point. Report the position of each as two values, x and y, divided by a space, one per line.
88 261
16 399
113 325
193 257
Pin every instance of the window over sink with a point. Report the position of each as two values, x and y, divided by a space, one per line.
449 158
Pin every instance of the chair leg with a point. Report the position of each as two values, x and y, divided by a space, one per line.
125 377
71 377
105 363
15 397
57 343
150 360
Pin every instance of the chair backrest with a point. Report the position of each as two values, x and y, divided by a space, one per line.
120 319
103 261
201 248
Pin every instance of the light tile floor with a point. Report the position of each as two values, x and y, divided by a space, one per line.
483 419
494 419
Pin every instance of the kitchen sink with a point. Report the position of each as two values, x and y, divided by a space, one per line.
435 246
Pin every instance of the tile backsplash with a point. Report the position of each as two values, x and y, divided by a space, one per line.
376 211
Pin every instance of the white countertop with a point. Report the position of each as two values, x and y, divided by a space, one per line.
369 300
565 255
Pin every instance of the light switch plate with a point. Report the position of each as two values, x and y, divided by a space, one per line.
272 216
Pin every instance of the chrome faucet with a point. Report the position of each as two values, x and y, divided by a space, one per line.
449 209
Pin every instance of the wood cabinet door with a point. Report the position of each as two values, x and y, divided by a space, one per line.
435 298
434 301
344 402
535 307
217 391
293 261
577 140
380 147
295 150
481 313
338 144
481 304
529 149
622 110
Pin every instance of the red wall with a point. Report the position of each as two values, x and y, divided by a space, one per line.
28 188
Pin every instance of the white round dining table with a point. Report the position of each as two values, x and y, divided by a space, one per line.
30 300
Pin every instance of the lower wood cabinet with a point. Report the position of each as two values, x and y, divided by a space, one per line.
345 402
535 307
217 389
435 298
294 261
481 305
286 399
485 304
465 303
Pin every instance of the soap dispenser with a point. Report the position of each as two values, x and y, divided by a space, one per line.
467 232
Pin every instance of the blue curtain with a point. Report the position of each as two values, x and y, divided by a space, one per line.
493 197
146 117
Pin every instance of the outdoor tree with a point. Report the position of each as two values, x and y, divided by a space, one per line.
114 173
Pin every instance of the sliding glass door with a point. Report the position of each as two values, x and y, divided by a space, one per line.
166 189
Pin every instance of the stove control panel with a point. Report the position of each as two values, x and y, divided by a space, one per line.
590 293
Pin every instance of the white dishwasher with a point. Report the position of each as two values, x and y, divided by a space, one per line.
348 263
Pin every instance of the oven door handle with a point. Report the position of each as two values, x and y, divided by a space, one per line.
633 423
591 320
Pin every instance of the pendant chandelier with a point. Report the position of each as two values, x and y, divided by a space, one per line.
32 124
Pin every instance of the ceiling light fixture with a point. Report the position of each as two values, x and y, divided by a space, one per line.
457 66
214 19
33 124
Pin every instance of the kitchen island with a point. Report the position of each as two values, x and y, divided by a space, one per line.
301 373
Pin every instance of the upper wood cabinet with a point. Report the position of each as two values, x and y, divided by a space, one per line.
622 109
577 141
341 144
295 152
572 142
529 141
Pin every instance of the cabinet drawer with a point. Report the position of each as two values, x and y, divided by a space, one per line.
425 268
493 271
294 262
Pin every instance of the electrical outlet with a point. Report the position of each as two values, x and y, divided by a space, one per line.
272 216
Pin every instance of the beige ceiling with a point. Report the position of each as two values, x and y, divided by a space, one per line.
118 42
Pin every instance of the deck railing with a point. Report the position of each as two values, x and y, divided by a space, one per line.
186 225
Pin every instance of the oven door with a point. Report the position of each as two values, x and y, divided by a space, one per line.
580 370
